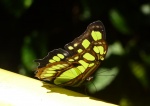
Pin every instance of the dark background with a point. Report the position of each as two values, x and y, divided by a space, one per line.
30 29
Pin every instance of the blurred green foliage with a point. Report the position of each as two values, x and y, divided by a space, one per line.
29 29
119 22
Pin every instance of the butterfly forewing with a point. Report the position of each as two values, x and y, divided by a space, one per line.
75 64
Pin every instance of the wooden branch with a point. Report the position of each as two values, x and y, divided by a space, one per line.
19 90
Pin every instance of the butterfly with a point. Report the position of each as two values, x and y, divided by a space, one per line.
75 64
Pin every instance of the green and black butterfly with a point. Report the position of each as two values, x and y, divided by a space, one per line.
80 59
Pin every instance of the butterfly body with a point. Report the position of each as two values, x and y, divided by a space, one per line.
80 59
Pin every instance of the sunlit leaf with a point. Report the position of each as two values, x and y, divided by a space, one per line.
102 79
115 48
145 8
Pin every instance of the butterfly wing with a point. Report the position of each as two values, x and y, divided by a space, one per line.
49 65
91 49
81 57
